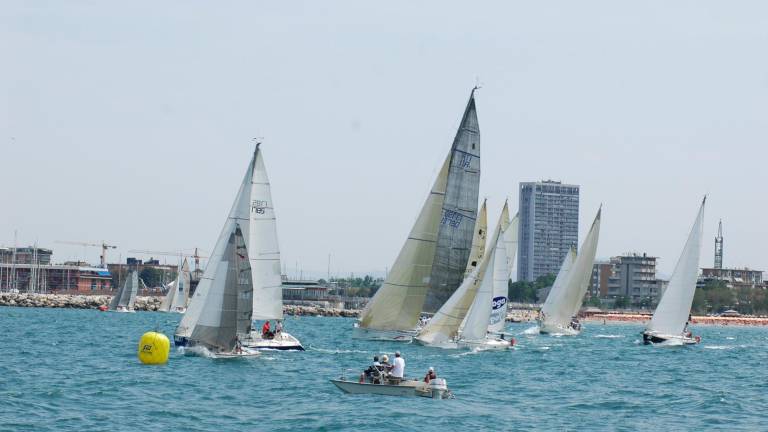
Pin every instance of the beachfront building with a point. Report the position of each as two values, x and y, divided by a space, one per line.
601 273
549 227
733 277
634 277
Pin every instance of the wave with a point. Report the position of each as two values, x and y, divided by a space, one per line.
719 347
604 336
531 331
336 351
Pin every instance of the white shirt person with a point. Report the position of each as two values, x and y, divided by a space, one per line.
398 369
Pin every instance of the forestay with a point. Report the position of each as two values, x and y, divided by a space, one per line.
674 307
398 303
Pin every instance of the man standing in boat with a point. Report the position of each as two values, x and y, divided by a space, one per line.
398 367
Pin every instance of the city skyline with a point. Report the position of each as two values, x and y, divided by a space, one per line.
116 128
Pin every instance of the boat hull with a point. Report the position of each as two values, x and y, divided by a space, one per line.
383 335
650 338
282 342
405 388
555 329
486 344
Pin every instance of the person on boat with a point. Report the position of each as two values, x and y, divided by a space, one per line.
385 366
278 327
265 332
374 371
238 346
398 367
430 375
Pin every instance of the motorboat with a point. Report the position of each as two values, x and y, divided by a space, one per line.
436 388
281 341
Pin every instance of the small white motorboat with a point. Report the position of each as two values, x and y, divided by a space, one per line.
281 341
436 389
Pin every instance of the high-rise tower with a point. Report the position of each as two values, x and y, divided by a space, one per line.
719 246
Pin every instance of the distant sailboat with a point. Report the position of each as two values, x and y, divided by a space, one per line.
253 213
178 291
432 262
125 297
670 319
567 293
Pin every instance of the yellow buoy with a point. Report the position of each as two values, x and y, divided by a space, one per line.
154 348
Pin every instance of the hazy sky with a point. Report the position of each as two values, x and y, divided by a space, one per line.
132 122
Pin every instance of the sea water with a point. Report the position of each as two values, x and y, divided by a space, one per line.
75 370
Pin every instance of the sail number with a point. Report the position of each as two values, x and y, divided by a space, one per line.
258 206
451 218
499 302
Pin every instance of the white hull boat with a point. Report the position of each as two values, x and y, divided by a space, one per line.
382 335
282 342
435 389
205 352
554 329
486 344
650 337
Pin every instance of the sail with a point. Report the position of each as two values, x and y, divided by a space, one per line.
126 296
168 300
510 241
478 320
568 296
459 211
556 291
263 247
501 284
398 303
181 287
674 307
238 212
228 308
478 241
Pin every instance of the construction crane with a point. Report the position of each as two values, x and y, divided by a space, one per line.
103 245
195 255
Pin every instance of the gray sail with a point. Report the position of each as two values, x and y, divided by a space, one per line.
228 307
126 295
457 225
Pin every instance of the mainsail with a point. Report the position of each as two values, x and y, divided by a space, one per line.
478 241
397 304
477 322
459 210
501 282
227 310
674 307
568 296
178 290
263 248
126 295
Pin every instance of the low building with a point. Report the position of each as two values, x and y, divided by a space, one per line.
54 278
734 278
601 272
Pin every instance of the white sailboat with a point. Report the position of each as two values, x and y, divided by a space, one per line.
178 291
253 212
501 290
476 330
125 297
225 311
264 253
435 254
670 319
567 294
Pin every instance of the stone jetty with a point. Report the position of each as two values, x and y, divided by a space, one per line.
69 301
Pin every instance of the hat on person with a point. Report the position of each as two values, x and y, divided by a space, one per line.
431 369
397 353
384 358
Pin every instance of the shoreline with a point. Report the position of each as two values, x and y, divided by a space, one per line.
145 304
744 321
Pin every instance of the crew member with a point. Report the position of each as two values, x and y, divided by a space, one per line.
430 375
398 366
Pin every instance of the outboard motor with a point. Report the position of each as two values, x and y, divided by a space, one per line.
439 387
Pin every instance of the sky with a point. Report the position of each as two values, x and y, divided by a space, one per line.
133 122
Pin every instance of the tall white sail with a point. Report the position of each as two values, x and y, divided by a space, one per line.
478 241
263 247
478 319
181 287
397 304
556 291
674 307
501 281
567 298
165 305
126 295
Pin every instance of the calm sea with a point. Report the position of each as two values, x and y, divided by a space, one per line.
75 370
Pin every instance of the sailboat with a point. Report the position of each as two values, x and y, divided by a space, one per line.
567 294
253 212
463 321
125 298
178 291
433 260
670 319
223 315
501 290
